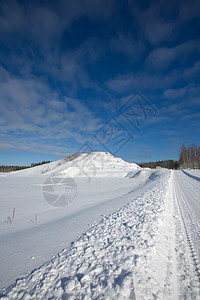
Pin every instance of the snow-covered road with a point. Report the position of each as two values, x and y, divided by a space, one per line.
187 220
147 248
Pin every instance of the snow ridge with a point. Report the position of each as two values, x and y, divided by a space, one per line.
119 258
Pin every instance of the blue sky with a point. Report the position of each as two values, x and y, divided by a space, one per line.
121 76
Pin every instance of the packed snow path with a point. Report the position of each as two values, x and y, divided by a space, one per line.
148 249
192 176
187 220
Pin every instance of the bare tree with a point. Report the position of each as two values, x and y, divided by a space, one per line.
189 156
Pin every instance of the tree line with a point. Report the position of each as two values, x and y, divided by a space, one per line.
169 164
41 163
12 168
17 168
189 157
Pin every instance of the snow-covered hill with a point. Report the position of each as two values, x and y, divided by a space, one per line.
98 164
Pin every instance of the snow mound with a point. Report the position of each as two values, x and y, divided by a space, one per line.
94 164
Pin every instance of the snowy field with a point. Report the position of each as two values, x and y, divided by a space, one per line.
96 227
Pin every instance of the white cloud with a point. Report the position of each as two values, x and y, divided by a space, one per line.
192 71
162 58
187 96
191 116
142 81
174 93
155 27
158 31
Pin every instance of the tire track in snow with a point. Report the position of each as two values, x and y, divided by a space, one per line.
191 176
190 224
188 240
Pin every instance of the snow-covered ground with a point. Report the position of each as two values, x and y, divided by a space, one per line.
195 174
126 233
187 221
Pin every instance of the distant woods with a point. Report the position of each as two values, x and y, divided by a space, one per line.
17 168
41 163
12 168
169 164
189 157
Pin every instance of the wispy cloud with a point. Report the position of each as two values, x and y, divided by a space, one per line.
162 58
30 107
143 81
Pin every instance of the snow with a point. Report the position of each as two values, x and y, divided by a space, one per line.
193 174
98 164
127 233
187 207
